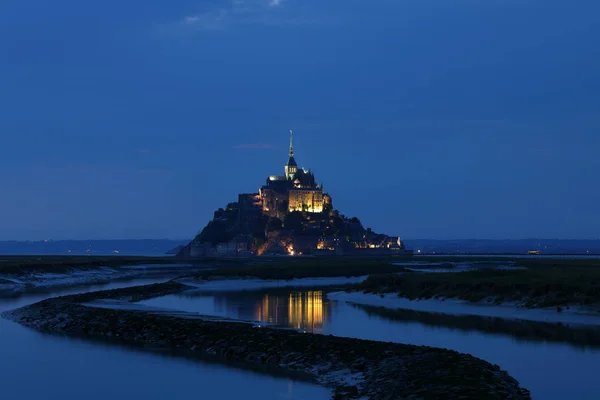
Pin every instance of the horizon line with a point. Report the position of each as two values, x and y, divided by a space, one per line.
403 239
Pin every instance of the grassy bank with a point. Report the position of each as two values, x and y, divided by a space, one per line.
540 286
304 268
262 268
530 262
17 265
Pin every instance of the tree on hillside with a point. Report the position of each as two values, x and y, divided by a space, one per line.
274 224
215 232
294 221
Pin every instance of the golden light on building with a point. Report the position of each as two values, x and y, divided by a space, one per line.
290 250
308 200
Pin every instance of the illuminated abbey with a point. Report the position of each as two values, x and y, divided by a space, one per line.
290 214
295 190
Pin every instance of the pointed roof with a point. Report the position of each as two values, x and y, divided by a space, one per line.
291 160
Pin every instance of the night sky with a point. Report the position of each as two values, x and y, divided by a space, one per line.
424 118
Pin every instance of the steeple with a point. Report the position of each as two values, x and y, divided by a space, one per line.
291 167
291 143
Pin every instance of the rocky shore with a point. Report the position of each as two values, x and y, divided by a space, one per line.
353 368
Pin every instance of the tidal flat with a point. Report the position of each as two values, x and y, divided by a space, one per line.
20 274
352 368
346 375
98 370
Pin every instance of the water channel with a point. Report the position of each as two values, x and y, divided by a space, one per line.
552 370
37 366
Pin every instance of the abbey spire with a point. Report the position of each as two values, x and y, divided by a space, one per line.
291 167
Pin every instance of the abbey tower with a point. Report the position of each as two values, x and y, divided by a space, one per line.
296 190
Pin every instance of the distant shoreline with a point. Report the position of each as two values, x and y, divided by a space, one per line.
428 247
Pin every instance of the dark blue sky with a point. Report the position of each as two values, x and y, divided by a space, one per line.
425 118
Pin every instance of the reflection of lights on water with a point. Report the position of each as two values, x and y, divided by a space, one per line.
267 310
305 311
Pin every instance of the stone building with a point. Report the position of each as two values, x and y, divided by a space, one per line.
306 200
296 190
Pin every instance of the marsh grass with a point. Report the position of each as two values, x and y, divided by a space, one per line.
305 268
540 286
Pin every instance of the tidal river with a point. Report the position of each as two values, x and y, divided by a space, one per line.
551 370
36 366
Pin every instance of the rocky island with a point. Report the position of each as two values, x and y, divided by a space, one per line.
290 214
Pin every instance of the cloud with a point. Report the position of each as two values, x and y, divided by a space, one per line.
191 20
100 169
261 146
235 13
211 20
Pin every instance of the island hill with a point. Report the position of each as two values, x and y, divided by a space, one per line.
290 214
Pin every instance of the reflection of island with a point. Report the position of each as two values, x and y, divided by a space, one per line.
307 310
